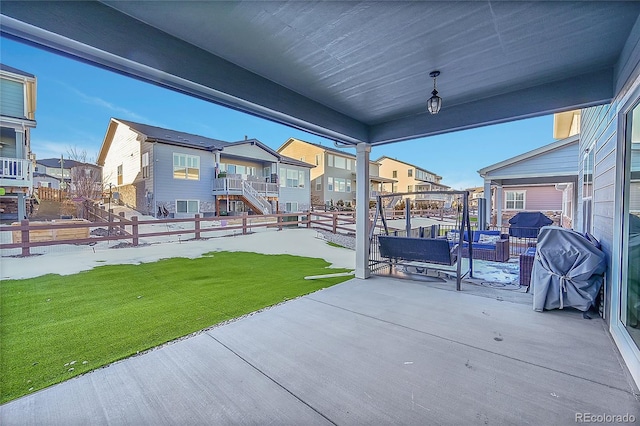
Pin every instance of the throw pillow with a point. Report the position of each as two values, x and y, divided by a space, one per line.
453 236
488 239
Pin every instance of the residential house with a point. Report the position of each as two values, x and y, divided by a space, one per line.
475 194
161 171
411 178
72 175
17 118
543 179
333 177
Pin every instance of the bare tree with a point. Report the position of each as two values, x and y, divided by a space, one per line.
86 178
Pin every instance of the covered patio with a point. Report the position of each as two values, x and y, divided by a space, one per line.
377 350
380 351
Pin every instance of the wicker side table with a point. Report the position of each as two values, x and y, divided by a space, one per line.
526 265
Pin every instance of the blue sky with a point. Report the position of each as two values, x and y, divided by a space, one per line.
75 102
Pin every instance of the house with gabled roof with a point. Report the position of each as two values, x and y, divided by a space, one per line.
544 179
334 175
163 172
61 173
411 178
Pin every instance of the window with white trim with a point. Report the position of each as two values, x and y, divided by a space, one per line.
186 166
187 206
514 200
587 187
292 178
329 184
291 206
319 184
410 173
318 159
145 165
119 173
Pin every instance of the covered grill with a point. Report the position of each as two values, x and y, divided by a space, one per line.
527 224
568 270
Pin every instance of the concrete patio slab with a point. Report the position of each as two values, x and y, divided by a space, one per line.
380 351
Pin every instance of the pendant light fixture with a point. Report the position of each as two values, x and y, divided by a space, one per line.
435 101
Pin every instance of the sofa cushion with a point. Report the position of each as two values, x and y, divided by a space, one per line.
476 234
488 239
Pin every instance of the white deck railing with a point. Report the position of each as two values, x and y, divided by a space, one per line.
223 185
16 172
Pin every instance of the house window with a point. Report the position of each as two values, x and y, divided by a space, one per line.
318 159
292 178
514 200
319 184
291 206
410 173
587 187
394 174
340 162
186 167
119 174
409 188
145 165
187 206
630 309
330 184
330 159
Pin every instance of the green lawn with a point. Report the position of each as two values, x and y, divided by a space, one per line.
55 327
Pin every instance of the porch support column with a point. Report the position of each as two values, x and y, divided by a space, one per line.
216 170
362 210
216 204
21 153
499 206
487 196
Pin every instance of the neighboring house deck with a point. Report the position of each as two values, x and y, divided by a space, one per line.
17 118
163 171
544 179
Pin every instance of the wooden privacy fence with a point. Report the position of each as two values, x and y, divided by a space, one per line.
25 232
52 194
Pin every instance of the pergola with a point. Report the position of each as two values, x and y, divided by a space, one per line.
354 72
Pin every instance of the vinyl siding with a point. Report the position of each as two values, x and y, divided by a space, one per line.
298 150
248 151
302 196
12 100
558 161
125 150
537 198
168 189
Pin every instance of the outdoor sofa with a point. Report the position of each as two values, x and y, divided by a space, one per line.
487 245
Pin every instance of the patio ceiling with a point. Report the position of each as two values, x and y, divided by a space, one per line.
354 71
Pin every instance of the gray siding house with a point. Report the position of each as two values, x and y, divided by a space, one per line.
17 118
164 172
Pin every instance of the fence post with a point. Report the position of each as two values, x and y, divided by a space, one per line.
279 222
335 223
197 226
110 219
244 225
24 233
121 214
308 219
134 229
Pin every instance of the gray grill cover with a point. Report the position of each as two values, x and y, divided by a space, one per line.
567 271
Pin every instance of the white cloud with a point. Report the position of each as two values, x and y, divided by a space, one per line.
102 103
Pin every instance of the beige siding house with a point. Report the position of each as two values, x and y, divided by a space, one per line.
334 176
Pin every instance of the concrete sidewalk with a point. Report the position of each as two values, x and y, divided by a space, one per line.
380 351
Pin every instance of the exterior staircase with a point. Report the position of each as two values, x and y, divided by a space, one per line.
254 198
